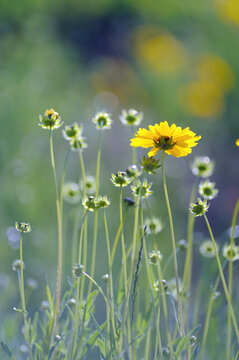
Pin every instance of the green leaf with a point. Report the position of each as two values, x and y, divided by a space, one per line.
52 349
195 352
7 350
49 299
101 344
185 340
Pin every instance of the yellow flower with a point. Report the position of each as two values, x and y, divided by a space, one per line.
172 139
237 142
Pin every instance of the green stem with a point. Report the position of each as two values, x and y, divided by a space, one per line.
147 345
150 285
24 303
208 316
231 311
63 178
59 225
117 238
180 311
230 278
96 212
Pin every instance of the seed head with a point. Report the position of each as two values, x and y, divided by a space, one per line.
102 120
231 252
142 189
202 166
131 117
199 208
121 179
155 257
207 190
23 227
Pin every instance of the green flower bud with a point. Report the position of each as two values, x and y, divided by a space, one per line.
153 226
23 227
149 164
50 120
199 208
102 202
231 252
155 257
121 179
131 117
89 203
71 192
16 265
102 120
90 184
206 249
133 171
105 278
202 166
72 131
207 190
142 189
77 270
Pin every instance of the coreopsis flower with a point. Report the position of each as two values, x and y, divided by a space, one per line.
207 190
121 179
102 202
23 227
142 189
89 184
231 252
155 257
71 192
50 120
237 142
172 139
77 270
72 131
133 171
206 249
102 120
153 226
202 166
199 208
149 164
131 117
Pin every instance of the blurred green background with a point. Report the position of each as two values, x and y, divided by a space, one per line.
174 61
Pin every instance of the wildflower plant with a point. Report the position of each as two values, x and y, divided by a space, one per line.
121 179
207 190
142 189
102 120
149 164
207 249
202 166
131 117
50 120
199 208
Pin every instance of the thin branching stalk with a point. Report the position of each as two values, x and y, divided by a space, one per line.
223 279
209 312
96 212
156 315
230 278
180 310
22 292
59 226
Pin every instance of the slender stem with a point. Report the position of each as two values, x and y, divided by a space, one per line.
230 278
96 212
150 285
147 345
59 225
208 316
223 279
24 303
110 273
180 311
63 178
187 273
117 238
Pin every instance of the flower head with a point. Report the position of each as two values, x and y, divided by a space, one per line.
199 208
173 288
206 249
237 142
102 120
102 202
23 227
78 143
121 179
153 226
89 203
50 120
133 171
89 184
142 189
172 139
77 270
207 190
131 117
16 265
231 252
149 164
71 192
72 131
202 166
155 257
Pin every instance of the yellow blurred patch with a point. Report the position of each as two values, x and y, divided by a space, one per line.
161 51
228 10
215 69
202 98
